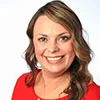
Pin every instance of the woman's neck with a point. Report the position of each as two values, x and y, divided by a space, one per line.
52 86
54 80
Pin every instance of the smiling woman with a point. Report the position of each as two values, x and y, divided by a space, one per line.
57 43
53 51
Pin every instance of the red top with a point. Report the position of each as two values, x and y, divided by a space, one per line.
23 92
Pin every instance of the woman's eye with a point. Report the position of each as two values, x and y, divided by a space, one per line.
42 39
64 38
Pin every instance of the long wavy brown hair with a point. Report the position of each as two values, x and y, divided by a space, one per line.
60 13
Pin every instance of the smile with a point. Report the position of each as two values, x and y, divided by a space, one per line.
54 58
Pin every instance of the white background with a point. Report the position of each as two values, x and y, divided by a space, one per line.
14 18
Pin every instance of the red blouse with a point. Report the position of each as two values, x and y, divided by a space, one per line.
22 92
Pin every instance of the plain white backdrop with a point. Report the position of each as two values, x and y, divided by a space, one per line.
14 18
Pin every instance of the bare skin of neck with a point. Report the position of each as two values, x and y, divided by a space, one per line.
50 87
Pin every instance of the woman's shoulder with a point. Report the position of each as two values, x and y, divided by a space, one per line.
18 88
20 82
22 77
21 90
25 77
93 87
93 92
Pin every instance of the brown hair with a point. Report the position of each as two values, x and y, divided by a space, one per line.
62 14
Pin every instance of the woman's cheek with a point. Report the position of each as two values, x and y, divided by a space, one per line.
38 49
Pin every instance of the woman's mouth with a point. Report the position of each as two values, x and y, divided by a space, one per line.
54 60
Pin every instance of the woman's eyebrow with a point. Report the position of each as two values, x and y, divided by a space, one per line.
63 33
42 34
58 35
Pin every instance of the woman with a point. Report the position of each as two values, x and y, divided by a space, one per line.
57 44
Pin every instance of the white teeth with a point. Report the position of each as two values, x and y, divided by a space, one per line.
56 58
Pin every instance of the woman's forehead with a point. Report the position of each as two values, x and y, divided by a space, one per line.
45 25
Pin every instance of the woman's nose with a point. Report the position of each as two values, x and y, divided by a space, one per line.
53 47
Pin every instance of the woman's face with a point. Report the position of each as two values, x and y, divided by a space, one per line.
53 45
